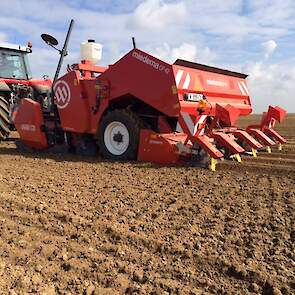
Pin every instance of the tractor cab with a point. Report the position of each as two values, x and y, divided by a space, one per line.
16 83
14 62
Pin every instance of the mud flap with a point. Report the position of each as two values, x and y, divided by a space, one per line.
28 122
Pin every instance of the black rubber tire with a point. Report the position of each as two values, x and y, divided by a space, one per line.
133 124
4 118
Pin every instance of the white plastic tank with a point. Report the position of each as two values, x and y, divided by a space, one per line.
91 51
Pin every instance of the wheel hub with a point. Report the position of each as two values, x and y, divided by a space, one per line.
116 138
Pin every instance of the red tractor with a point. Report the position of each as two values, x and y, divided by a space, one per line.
16 83
143 108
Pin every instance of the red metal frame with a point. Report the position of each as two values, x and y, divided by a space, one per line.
84 94
28 122
264 131
31 82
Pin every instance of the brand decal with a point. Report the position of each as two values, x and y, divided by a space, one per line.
28 127
146 59
216 83
155 142
62 94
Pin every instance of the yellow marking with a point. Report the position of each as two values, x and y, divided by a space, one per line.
176 106
174 89
254 153
212 165
280 147
202 103
153 136
268 149
238 158
198 86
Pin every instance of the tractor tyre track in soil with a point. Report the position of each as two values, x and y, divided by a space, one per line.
82 225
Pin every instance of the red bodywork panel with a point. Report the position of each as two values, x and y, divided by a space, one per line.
145 77
156 83
86 91
73 106
137 74
27 82
28 122
227 114
219 87
81 102
159 148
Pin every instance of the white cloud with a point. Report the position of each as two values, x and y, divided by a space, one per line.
273 12
269 48
155 14
213 32
43 61
3 37
271 84
187 51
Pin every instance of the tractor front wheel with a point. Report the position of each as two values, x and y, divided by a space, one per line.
118 136
4 118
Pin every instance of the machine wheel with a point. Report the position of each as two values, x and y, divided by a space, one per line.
118 136
4 118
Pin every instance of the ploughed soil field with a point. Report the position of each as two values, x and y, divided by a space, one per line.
80 225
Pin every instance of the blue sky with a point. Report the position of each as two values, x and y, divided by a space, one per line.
252 36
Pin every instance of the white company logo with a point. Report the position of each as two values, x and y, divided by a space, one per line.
216 83
150 62
28 127
62 94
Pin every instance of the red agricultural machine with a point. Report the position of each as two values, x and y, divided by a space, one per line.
143 108
16 83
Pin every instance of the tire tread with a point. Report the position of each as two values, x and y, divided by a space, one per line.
4 118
